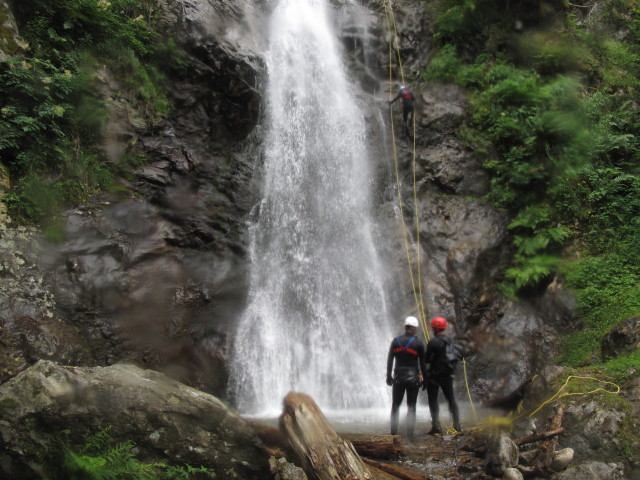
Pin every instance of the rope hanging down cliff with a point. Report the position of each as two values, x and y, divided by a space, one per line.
417 290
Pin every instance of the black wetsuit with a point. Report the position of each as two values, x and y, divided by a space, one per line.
437 379
407 351
407 108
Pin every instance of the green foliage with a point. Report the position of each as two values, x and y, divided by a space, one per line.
52 113
557 123
103 458
624 366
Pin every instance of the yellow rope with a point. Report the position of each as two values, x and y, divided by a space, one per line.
466 384
417 293
389 16
558 395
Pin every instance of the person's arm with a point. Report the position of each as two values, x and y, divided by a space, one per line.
428 356
390 365
397 97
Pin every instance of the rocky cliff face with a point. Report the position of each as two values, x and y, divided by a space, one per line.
158 275
154 275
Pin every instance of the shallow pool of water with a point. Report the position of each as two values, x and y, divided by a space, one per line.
376 420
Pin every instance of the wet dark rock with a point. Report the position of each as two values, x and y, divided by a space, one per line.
624 337
463 242
168 421
453 168
442 109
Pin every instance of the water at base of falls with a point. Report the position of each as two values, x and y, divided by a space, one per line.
316 320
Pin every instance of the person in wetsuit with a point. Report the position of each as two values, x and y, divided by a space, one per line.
407 108
439 377
407 352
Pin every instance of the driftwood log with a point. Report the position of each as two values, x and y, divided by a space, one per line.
396 471
387 447
323 454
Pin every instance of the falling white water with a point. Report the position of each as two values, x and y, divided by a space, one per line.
316 319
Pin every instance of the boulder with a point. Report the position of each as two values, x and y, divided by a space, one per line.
501 453
562 459
592 430
512 474
167 420
284 470
623 337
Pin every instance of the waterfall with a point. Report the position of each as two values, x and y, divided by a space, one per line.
316 318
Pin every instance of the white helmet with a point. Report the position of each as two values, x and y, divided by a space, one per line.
411 322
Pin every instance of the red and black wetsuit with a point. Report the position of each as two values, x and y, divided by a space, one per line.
407 352
407 108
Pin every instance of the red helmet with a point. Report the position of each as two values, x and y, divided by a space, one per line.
439 322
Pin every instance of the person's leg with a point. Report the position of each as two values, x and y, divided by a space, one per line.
432 393
405 127
447 389
412 399
397 395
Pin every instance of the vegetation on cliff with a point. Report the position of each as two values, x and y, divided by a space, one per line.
554 116
52 109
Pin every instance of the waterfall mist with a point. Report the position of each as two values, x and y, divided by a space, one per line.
316 319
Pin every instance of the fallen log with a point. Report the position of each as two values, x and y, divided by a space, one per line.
396 470
320 450
386 447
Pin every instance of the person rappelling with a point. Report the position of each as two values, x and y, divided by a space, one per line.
407 352
404 92
440 375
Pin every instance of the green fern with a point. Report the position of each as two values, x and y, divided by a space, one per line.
103 458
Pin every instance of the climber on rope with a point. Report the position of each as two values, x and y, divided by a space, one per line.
441 359
407 351
405 93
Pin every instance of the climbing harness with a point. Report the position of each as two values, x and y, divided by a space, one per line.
405 349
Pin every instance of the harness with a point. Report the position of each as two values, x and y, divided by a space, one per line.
405 348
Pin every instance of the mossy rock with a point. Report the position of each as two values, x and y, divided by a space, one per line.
8 32
5 185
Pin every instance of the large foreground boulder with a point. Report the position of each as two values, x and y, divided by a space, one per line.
167 420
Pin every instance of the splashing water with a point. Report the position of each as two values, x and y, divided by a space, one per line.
316 321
